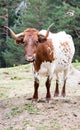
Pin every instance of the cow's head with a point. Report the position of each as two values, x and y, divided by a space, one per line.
30 38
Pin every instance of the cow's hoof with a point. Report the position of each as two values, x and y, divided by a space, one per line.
56 94
48 100
63 94
34 100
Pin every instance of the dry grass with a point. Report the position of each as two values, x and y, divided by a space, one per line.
19 113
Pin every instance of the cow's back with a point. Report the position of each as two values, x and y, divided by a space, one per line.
63 49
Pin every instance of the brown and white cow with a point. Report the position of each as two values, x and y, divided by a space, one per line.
50 54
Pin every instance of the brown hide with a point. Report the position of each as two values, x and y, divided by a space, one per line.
30 33
44 52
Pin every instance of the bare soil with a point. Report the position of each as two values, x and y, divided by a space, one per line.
18 112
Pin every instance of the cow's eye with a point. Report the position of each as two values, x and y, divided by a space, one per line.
25 44
36 43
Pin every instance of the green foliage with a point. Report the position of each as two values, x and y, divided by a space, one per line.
33 16
3 2
38 14
13 54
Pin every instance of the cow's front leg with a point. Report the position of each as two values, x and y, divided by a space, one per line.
48 84
36 85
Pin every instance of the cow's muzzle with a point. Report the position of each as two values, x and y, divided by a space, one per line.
30 58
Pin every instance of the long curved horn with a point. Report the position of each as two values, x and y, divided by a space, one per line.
15 36
47 33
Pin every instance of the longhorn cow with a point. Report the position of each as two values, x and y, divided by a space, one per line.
50 54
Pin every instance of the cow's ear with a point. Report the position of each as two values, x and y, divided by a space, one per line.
41 38
19 41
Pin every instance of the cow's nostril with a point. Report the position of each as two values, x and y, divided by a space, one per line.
29 58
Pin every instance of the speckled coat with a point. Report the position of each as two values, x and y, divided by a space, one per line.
60 48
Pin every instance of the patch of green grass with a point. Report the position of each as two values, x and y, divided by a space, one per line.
27 122
32 111
19 109
30 108
29 78
1 95
4 91
8 115
16 78
55 124
15 111
27 66
40 128
73 128
7 128
45 128
17 129
76 65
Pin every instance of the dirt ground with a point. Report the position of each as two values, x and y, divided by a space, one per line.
20 113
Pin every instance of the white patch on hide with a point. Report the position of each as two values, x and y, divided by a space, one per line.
46 69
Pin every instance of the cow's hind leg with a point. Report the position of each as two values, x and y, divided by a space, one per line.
36 85
56 93
48 84
63 93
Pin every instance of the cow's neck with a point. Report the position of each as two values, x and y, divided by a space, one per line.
45 52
